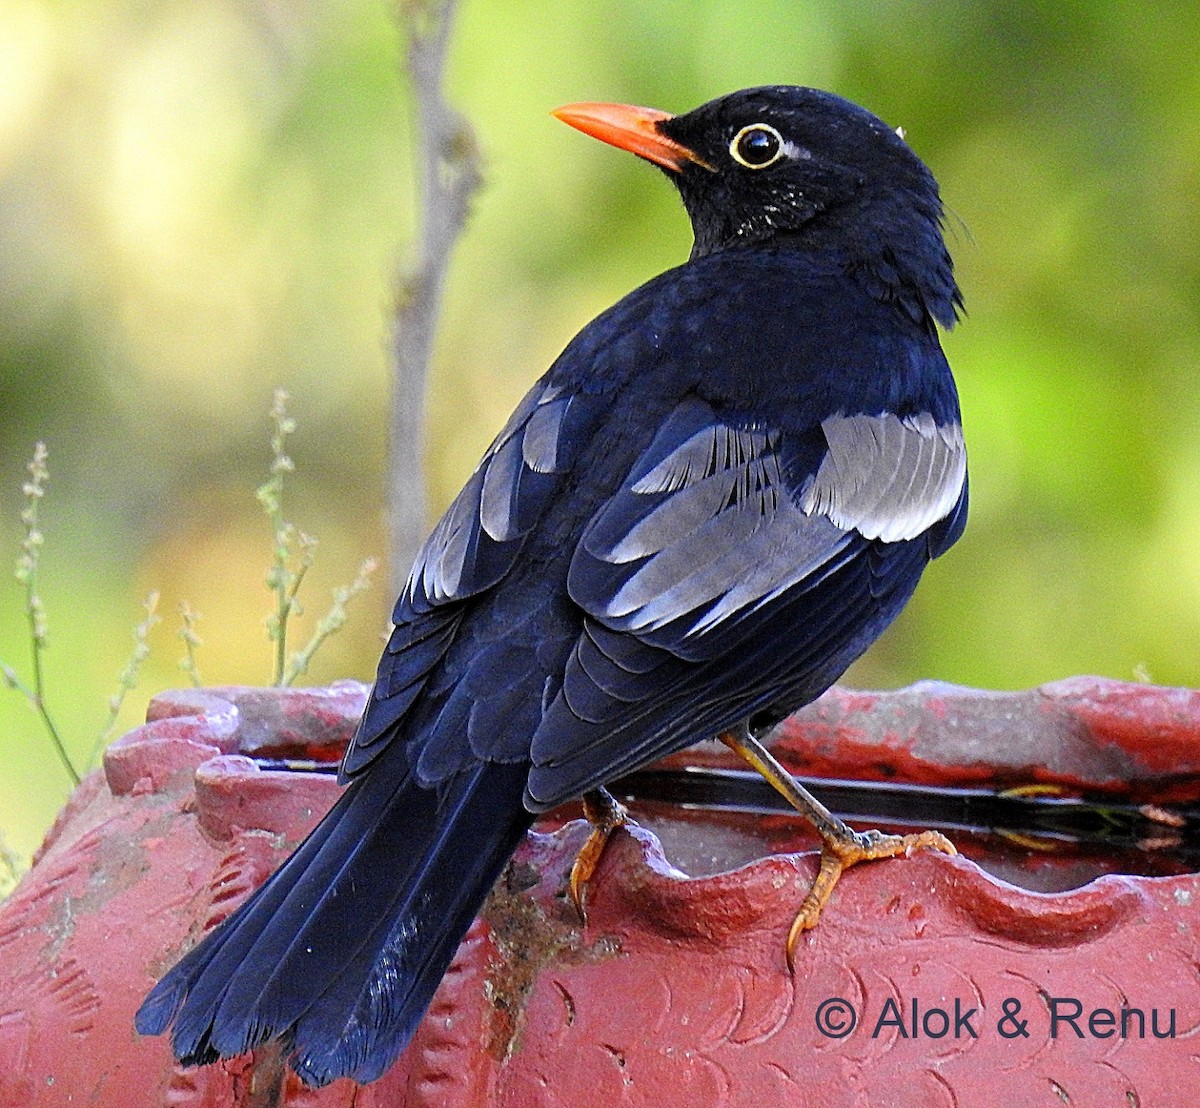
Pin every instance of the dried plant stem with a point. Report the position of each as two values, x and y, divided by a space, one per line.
282 580
447 163
331 622
10 868
191 642
39 705
128 678
26 573
294 548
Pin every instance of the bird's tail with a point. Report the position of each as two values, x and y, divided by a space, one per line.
339 953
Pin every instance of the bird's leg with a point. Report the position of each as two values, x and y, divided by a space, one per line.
841 847
605 815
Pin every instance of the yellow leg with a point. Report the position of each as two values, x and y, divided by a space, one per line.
605 815
841 847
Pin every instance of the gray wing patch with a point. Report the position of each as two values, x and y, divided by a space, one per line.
438 568
539 443
885 477
500 500
727 517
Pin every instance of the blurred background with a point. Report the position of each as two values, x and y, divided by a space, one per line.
203 199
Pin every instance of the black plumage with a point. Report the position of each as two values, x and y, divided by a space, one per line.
719 495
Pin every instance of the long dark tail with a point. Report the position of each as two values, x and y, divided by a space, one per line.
339 953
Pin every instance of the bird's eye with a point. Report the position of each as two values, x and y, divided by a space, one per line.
757 146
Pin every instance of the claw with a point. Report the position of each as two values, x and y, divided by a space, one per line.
841 847
838 854
605 815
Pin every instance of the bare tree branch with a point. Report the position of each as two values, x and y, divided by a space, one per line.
447 161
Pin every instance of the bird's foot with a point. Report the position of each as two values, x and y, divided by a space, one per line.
841 851
605 815
841 847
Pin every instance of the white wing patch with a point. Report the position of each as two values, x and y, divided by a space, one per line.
885 477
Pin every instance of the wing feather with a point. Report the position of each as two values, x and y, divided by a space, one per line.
888 477
739 565
471 549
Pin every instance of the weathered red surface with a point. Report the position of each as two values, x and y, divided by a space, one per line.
1087 734
676 992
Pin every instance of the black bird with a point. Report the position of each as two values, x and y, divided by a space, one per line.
720 494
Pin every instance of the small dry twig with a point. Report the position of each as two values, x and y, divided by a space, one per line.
448 164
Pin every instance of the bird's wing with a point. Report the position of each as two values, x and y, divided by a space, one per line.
721 530
476 542
471 549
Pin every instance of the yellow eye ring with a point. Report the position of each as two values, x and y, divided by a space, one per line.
757 146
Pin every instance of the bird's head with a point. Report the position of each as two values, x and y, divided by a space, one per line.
794 165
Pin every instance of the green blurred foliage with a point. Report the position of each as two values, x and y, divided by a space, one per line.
203 199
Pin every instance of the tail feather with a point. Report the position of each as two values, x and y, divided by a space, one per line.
362 1020
245 950
339 954
190 979
329 913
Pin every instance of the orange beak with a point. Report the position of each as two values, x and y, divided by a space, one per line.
632 129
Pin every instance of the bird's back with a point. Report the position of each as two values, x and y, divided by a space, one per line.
788 341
